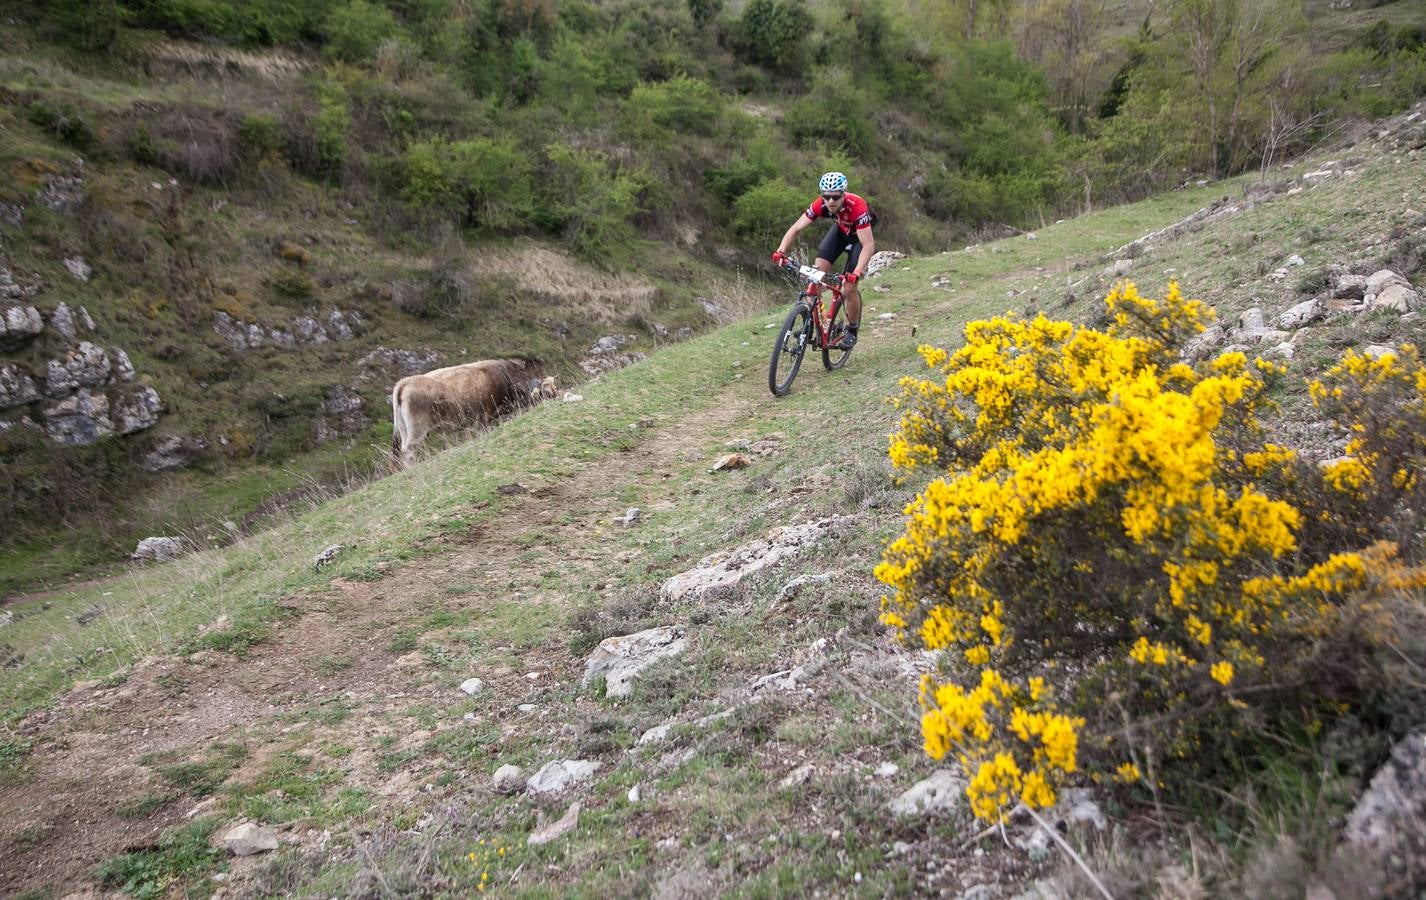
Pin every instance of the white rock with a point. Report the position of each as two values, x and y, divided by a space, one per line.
327 556
1251 320
944 789
1304 313
798 776
1075 807
472 686
1284 350
1382 279
1397 298
1121 267
1377 351
1294 261
158 549
621 659
507 779
78 268
559 775
887 769
571 397
636 793
247 839
720 571
556 830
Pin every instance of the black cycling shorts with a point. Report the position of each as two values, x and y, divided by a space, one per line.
836 243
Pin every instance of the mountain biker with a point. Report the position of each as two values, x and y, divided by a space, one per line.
851 233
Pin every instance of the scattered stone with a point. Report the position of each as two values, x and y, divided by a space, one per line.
571 397
1203 344
945 789
248 839
78 268
556 830
886 317
795 586
1121 267
1294 261
173 451
1284 350
158 549
327 555
401 362
1251 321
720 571
1382 279
636 793
941 281
1350 287
527 707
511 489
1304 313
1377 351
6 618
472 686
887 770
730 461
137 411
792 679
881 260
621 659
798 776
630 516
507 779
612 343
62 193
559 775
86 366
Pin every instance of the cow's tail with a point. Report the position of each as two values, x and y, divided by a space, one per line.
400 428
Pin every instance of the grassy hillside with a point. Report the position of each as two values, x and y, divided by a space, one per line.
242 683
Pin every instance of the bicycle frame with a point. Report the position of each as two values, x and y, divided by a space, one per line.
812 290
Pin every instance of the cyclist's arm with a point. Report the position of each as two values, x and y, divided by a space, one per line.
792 233
868 242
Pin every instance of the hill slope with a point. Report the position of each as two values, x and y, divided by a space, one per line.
244 683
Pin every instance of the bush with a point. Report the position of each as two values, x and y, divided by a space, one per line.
763 213
354 30
483 183
836 114
682 105
330 129
591 203
771 33
1109 514
759 161
64 122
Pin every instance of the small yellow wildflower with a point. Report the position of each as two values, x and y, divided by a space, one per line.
1222 672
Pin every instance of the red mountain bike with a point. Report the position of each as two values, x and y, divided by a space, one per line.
808 322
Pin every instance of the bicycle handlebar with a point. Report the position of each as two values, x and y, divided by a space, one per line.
813 274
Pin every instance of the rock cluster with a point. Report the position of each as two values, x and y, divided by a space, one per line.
304 330
607 354
382 361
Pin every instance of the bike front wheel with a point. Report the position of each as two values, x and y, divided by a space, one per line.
787 352
832 357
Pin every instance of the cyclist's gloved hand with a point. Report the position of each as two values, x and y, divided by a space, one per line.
779 257
850 278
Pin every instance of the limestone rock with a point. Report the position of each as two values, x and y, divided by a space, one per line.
158 549
78 420
86 366
137 411
78 268
230 331
327 555
730 461
472 686
1349 287
1201 345
555 830
172 451
507 779
720 571
1397 298
945 789
1381 279
247 839
16 386
62 193
621 659
123 367
18 326
399 362
1121 267
1304 313
1076 807
881 260
560 775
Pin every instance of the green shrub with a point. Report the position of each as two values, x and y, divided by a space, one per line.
483 182
330 128
260 136
592 203
89 24
763 213
681 104
759 161
772 34
354 30
64 122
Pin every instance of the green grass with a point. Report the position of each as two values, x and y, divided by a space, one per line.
178 864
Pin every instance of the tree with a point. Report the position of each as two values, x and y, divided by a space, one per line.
1061 36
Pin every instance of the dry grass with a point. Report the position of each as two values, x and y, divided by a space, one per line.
273 65
578 289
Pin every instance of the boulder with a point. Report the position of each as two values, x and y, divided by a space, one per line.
1076 808
560 775
1304 313
945 789
78 420
232 332
78 268
16 386
158 549
309 330
882 260
327 555
507 779
137 411
1201 345
1397 298
248 839
1349 287
18 326
620 659
86 366
123 368
1382 279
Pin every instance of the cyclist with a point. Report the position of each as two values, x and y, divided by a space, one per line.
851 233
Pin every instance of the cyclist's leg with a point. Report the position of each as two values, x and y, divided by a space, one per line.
831 247
852 293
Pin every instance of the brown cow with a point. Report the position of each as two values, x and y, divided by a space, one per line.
472 394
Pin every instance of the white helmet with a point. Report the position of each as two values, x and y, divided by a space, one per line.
832 181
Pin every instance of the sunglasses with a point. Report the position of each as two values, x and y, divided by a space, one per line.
831 198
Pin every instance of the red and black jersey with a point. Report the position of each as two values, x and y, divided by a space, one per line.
854 215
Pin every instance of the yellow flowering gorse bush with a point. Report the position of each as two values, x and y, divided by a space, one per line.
1102 504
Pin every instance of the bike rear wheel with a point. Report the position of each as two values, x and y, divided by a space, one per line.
787 352
832 358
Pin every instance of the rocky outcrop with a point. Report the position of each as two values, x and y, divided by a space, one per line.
16 386
384 362
619 660
304 330
158 549
137 411
173 451
341 415
85 366
80 419
718 572
607 354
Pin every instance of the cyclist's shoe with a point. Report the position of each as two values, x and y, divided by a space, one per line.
847 341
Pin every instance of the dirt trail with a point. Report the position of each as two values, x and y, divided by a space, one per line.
95 785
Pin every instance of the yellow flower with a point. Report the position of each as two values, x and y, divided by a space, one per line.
1128 773
1222 672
